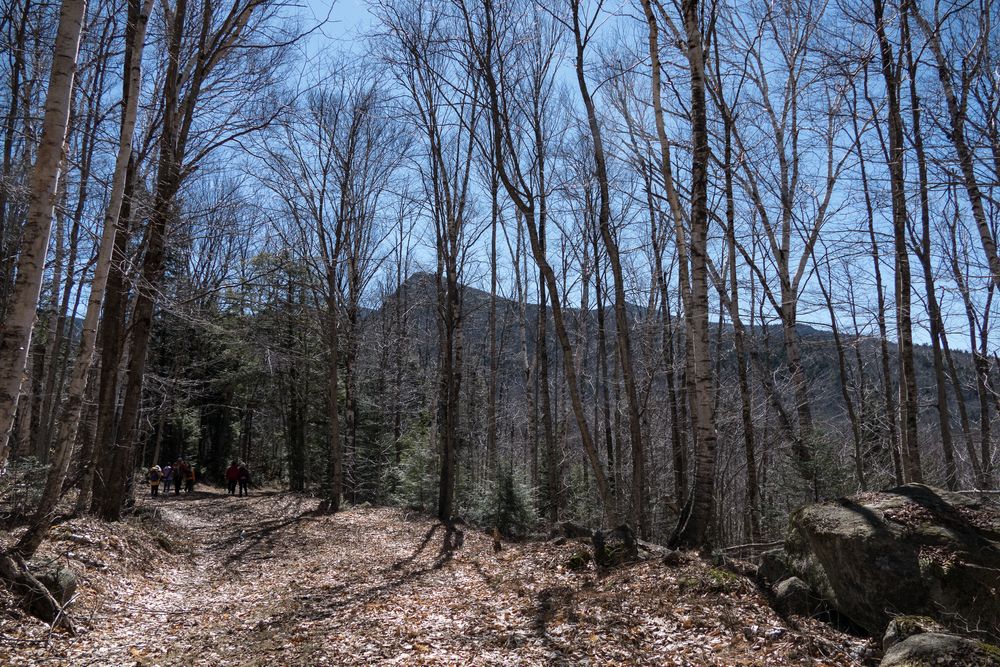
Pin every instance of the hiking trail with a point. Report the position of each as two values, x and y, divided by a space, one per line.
210 579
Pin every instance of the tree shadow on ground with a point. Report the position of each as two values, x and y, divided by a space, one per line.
548 603
259 543
398 575
454 540
425 540
184 496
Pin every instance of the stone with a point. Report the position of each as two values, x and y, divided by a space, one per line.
774 566
672 558
793 596
933 649
60 581
914 550
903 627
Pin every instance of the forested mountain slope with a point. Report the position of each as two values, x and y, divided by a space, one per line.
658 269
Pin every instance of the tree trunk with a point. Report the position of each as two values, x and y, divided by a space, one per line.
73 403
638 514
887 384
15 335
966 159
693 527
924 256
335 461
168 182
526 210
111 333
904 327
753 509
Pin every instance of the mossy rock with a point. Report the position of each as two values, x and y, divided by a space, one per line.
932 649
903 627
915 550
724 581
579 560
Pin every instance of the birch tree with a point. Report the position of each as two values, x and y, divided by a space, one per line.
15 335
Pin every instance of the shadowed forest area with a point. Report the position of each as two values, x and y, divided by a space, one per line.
695 285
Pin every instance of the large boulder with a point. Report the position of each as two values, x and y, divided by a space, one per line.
912 550
934 649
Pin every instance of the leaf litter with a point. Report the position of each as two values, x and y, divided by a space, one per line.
266 580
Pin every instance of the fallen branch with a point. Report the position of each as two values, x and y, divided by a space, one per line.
754 545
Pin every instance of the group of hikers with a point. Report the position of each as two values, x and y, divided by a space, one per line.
172 476
182 472
238 474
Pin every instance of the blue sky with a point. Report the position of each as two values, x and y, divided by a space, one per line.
347 18
344 22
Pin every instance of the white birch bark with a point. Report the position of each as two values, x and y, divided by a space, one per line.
15 334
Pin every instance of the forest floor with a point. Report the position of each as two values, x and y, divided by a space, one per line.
209 579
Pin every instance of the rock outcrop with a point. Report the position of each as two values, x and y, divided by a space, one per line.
934 649
913 550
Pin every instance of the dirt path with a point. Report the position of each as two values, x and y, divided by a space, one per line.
265 581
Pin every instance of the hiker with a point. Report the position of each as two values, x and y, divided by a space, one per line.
232 476
179 467
153 477
168 477
244 479
189 479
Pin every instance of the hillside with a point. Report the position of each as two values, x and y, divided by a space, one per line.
819 353
215 580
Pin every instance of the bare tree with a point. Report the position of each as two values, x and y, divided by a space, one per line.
518 159
73 402
213 55
15 337
904 328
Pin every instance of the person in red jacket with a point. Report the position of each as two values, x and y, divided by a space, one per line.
232 477
244 479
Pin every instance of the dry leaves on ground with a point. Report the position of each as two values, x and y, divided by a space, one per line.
264 580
